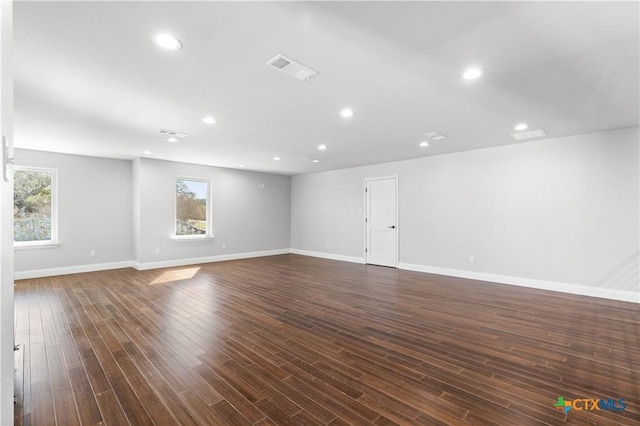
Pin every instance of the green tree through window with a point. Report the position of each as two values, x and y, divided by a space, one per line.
33 205
191 206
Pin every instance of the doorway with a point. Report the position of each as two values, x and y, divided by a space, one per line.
381 221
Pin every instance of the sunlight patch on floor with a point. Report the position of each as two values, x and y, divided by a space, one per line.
176 275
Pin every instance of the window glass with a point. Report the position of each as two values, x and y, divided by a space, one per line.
34 205
192 207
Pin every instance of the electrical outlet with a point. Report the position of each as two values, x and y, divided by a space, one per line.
261 185
92 253
327 245
224 245
157 251
472 259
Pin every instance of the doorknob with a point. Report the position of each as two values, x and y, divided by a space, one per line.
6 160
392 227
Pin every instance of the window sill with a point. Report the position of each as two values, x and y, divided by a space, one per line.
36 245
182 238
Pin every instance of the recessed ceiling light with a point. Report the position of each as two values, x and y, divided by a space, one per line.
146 152
424 144
346 113
472 73
242 165
172 140
315 161
167 42
209 120
276 158
521 126
322 147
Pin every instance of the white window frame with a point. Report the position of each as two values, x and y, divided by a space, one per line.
53 242
209 234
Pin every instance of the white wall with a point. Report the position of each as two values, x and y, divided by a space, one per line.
135 202
558 211
248 219
124 210
551 214
94 213
6 221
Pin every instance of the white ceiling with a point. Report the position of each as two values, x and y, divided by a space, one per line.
89 80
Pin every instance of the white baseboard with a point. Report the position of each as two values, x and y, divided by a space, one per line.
39 273
65 270
582 290
198 260
352 259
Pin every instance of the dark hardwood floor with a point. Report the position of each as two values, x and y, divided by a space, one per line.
298 340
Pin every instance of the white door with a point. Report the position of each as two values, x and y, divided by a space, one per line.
6 217
381 222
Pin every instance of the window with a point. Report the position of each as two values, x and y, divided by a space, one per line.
34 206
192 208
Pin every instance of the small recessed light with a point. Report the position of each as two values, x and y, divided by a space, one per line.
472 73
167 42
424 144
521 126
315 161
146 152
209 120
322 147
172 140
346 113
276 158
242 165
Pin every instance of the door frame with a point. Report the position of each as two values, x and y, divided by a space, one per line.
365 211
7 354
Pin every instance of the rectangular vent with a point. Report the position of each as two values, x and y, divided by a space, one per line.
529 134
280 63
434 136
173 133
291 68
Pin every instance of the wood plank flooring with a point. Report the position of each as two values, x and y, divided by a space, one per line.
297 340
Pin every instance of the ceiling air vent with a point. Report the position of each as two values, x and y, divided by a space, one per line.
434 136
529 134
173 133
291 68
